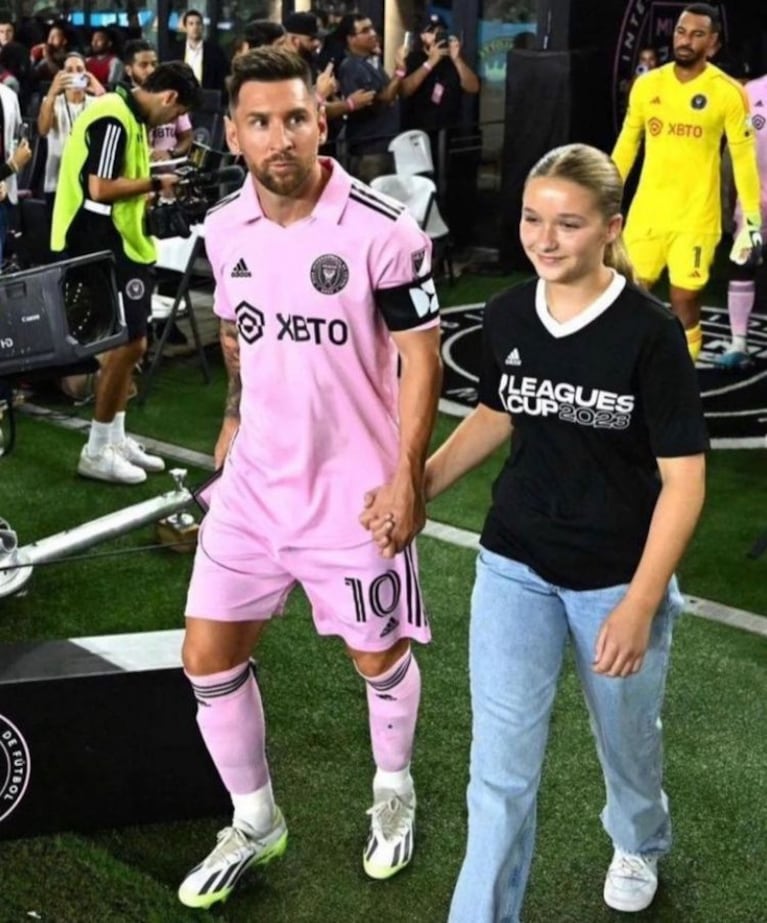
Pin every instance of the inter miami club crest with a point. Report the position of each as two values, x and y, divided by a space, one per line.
329 274
734 402
14 767
135 289
698 101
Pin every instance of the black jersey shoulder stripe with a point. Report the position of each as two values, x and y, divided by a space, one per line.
368 196
392 216
373 195
225 201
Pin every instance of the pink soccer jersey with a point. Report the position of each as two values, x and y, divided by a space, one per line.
163 138
756 91
314 303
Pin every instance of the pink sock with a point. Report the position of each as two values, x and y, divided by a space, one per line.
740 304
393 699
231 720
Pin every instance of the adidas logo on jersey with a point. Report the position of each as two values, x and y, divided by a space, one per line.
655 101
513 358
388 629
240 270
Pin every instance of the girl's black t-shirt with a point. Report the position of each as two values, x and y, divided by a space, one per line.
594 402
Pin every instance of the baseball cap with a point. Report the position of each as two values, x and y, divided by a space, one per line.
302 24
435 21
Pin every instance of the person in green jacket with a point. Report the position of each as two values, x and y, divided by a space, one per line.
104 185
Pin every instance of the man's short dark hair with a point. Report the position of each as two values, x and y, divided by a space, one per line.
348 25
134 47
706 9
190 13
175 75
267 65
260 32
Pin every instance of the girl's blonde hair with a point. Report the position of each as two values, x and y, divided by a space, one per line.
593 170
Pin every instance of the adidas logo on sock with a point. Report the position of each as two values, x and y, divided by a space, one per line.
389 627
240 270
513 358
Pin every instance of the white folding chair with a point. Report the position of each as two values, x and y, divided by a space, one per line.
412 153
419 195
177 254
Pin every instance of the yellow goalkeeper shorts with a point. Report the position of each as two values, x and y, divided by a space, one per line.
687 255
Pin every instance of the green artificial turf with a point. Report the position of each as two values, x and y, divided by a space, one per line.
318 740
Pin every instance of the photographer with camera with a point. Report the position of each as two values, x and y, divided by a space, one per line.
100 204
437 77
72 90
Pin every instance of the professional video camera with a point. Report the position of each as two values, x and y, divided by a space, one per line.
55 318
59 314
196 191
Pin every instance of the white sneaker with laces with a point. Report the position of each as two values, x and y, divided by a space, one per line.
109 465
631 881
389 847
137 455
216 876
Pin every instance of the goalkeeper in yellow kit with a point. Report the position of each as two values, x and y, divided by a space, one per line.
682 110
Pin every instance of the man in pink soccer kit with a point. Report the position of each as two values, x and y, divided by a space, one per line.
741 291
322 286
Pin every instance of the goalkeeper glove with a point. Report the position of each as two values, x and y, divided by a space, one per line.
747 248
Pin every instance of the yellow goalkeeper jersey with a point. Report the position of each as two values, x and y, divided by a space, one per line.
682 125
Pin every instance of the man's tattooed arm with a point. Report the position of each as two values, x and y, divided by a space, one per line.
231 350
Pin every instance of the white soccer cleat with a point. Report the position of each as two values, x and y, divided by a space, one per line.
215 878
109 465
631 882
137 455
390 844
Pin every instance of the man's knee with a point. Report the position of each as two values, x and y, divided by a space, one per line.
127 355
214 647
374 664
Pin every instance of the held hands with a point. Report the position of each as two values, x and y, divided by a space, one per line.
394 514
748 245
622 640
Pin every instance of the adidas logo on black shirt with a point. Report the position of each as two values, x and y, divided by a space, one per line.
240 270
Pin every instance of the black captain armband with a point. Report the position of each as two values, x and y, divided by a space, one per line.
409 305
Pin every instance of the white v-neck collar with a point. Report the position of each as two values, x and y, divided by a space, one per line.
591 313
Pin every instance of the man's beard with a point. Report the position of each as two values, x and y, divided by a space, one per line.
689 61
284 185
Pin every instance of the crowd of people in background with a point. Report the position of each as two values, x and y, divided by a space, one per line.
55 71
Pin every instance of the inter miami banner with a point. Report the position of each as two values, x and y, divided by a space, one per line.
735 403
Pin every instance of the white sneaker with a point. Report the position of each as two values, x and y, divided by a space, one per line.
631 881
109 465
390 844
215 877
137 455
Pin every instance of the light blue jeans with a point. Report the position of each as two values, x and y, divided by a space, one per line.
520 625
